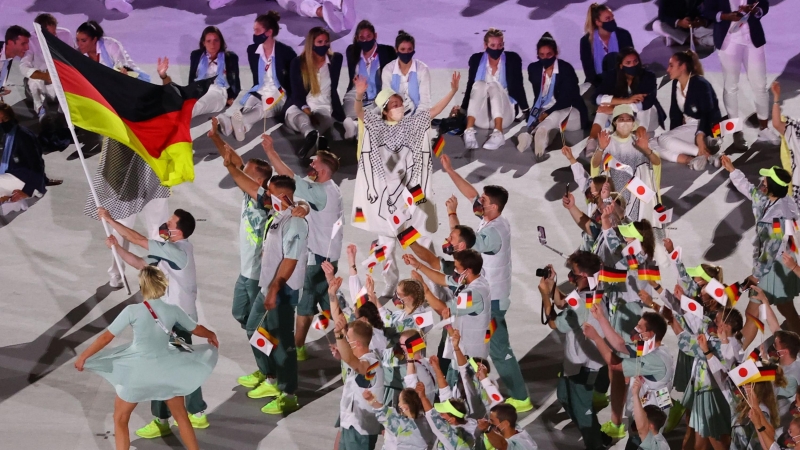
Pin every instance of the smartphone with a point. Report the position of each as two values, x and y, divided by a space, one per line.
745 285
542 236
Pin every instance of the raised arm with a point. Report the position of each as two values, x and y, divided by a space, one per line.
245 183
426 256
130 259
780 127
466 189
602 347
614 339
223 148
434 275
639 416
128 234
360 84
442 104
277 163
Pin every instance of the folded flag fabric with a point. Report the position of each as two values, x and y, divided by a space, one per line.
423 320
744 373
438 148
491 391
596 298
263 341
490 331
609 162
380 254
716 130
153 120
632 249
649 272
415 345
563 124
755 355
370 262
408 201
464 300
791 244
400 216
759 323
361 298
632 262
573 299
359 217
730 126
717 291
371 371
408 237
322 321
640 190
788 227
659 208
691 307
611 275
766 373
417 193
337 226
733 292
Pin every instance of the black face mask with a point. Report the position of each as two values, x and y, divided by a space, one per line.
547 62
321 50
495 53
259 39
633 70
366 46
610 26
405 57
6 127
447 248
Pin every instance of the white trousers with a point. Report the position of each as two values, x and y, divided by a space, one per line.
40 92
153 215
673 143
732 56
301 122
704 36
551 126
9 183
303 8
214 101
647 119
253 111
489 101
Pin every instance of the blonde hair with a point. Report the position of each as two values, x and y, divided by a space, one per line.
713 271
492 33
591 17
307 66
152 282
765 392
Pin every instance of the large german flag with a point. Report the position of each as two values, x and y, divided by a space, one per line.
152 120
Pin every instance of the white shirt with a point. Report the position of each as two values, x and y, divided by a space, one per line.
423 78
680 99
490 77
33 59
213 67
322 101
547 80
119 57
182 288
269 83
4 66
354 411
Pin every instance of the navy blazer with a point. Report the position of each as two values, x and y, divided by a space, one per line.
671 11
386 54
516 89
566 91
299 91
624 40
283 60
647 85
29 164
231 71
712 7
701 104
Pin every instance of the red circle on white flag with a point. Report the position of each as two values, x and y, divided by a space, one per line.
409 200
718 292
674 255
729 126
619 165
640 190
260 342
573 302
460 299
692 307
270 101
743 372
630 250
496 397
396 220
419 320
662 217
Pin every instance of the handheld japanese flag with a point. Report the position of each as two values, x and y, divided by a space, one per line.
408 201
691 307
662 216
322 321
573 299
424 319
337 226
728 127
614 163
263 341
387 266
370 262
491 391
649 346
399 217
640 190
717 291
464 300
676 254
632 249
744 373
277 204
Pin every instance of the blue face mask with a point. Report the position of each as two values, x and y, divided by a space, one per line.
495 53
610 26
259 39
547 62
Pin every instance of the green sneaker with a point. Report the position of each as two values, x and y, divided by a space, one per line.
153 430
599 401
520 405
675 415
283 404
252 380
301 353
198 423
614 431
265 390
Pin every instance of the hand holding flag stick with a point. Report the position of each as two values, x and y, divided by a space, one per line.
563 127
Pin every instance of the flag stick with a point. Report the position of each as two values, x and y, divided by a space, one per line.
691 39
62 101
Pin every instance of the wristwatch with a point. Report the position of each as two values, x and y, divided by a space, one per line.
339 336
761 429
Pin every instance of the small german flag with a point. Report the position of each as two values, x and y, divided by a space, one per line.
611 275
589 300
650 272
776 227
408 237
359 218
606 161
633 264
380 254
733 292
490 331
755 355
415 346
659 208
639 348
716 131
598 296
438 148
759 324
417 193
372 370
767 374
373 246
564 122
791 245
362 300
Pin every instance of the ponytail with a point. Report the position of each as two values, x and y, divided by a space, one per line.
714 272
547 41
692 62
591 17
91 29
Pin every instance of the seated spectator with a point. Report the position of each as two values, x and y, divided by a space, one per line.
338 15
603 39
92 41
677 17
495 95
21 164
16 44
408 77
34 68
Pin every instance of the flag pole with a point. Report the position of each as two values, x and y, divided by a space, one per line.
62 101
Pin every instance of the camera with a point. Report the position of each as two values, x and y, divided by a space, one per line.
544 272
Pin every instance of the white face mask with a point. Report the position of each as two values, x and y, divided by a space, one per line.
624 128
395 114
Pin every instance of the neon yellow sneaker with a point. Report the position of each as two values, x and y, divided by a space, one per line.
301 353
283 404
599 401
252 380
198 422
520 405
614 431
154 430
265 390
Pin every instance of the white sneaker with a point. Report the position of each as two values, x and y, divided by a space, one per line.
715 159
217 4
495 141
350 128
225 125
115 281
237 122
698 163
769 135
469 139
349 13
524 141
333 17
119 5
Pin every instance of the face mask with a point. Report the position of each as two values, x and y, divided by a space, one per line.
636 335
632 71
259 39
624 128
547 62
163 231
477 208
395 114
405 57
6 126
610 26
312 174
447 248
321 50
494 53
366 46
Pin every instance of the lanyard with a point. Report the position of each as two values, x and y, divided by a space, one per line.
158 321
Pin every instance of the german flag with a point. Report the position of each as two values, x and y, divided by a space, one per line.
776 227
611 275
361 301
759 324
733 292
598 296
639 348
414 346
716 131
153 120
589 300
359 216
767 374
490 331
417 193
380 253
438 148
408 237
755 355
649 273
606 161
633 264
371 371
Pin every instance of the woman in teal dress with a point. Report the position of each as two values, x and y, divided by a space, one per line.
149 368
